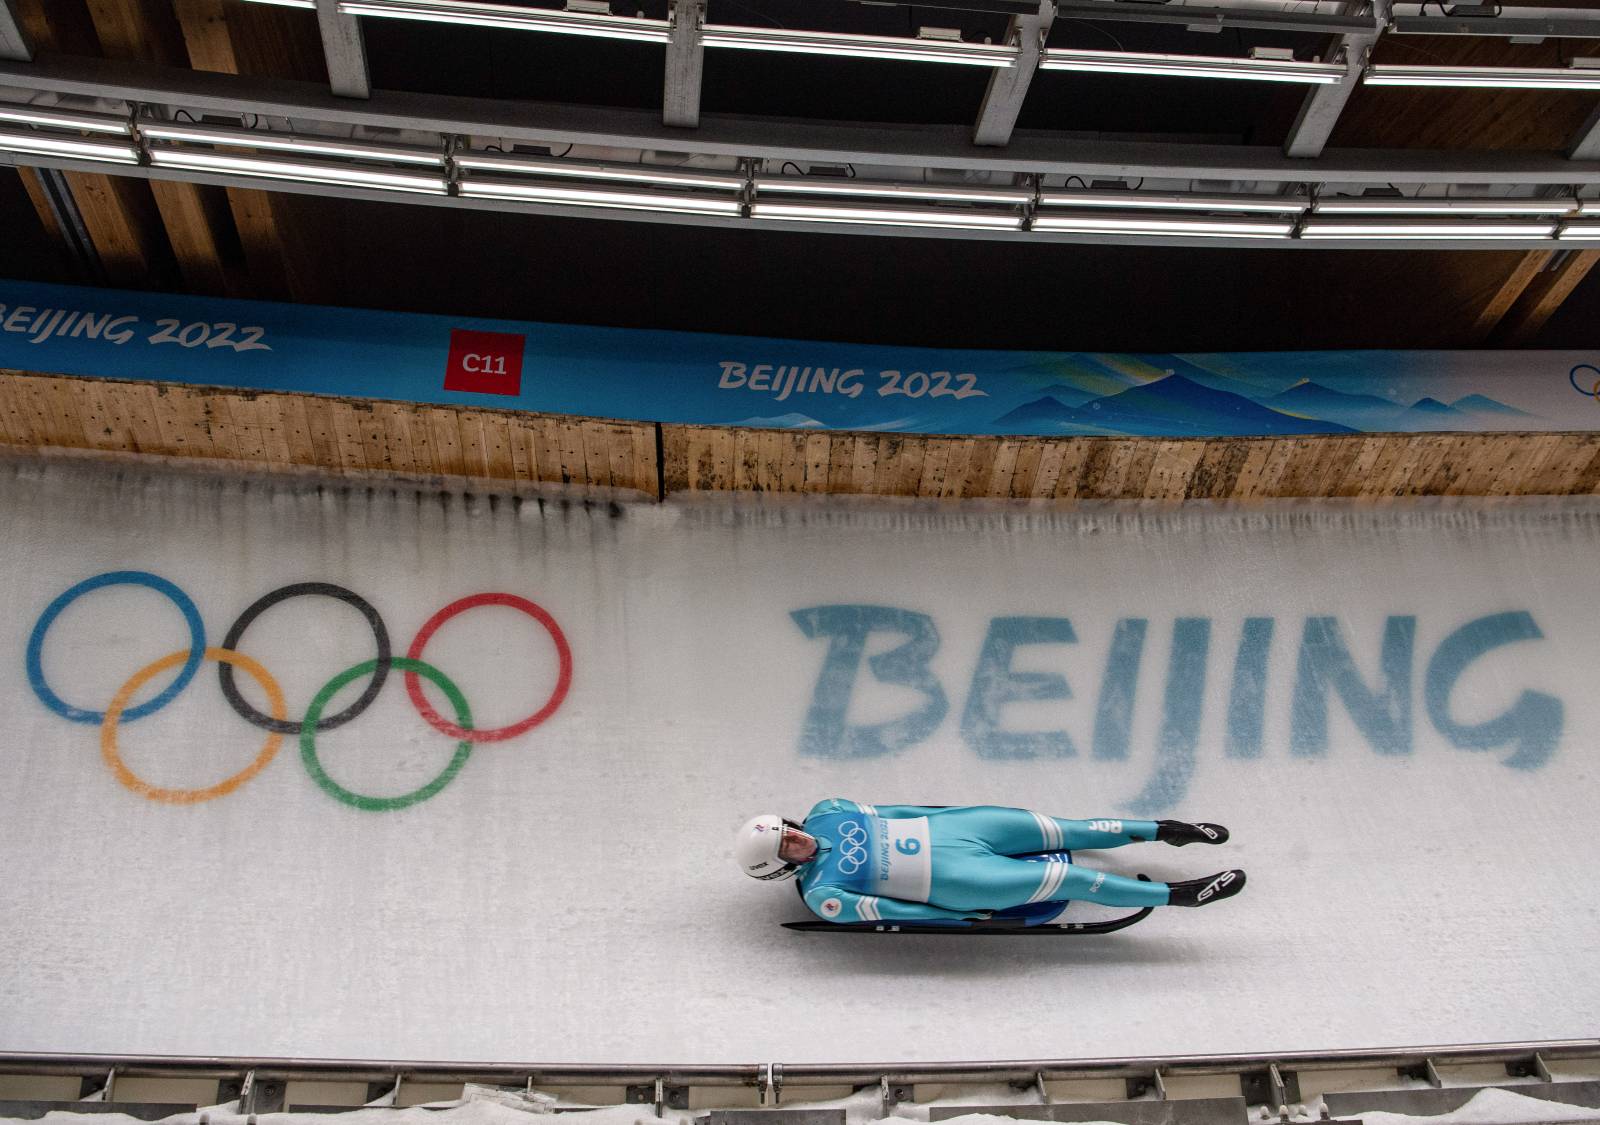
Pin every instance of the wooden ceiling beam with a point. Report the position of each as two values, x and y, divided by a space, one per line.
119 215
195 217
212 43
1542 297
1515 284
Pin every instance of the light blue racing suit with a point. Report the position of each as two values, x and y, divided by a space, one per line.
908 863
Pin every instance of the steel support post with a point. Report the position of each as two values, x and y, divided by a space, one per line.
1008 86
1319 113
343 48
13 43
685 63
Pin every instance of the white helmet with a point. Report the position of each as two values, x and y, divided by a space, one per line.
757 845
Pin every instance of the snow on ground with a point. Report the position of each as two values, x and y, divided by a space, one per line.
1392 708
487 1106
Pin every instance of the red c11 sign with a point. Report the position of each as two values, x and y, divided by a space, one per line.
485 362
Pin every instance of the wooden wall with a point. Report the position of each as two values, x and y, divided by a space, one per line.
358 436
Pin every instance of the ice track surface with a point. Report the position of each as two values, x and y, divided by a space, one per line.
1393 709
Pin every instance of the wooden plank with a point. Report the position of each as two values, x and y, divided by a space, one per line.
1076 454
863 463
1544 295
1556 475
194 216
395 419
497 447
474 451
792 468
1174 465
910 460
15 418
935 465
722 458
886 473
1500 302
816 461
682 448
236 415
1528 462
1004 467
420 435
444 431
347 432
294 427
99 430
1096 464
1052 462
955 472
841 461
206 35
574 468
647 459
1025 472
123 223
521 462
183 429
1247 483
321 429
1280 453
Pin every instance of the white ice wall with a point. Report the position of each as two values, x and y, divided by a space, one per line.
569 895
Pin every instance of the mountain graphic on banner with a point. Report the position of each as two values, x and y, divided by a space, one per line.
1171 407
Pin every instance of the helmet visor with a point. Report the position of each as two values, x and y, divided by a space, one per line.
796 845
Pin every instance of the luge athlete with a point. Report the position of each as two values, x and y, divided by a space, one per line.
921 863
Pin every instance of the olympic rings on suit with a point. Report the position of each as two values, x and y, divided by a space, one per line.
191 615
277 723
380 668
114 713
496 734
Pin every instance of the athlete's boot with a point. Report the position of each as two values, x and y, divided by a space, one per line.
1178 833
1213 888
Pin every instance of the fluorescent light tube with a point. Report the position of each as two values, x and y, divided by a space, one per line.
307 4
1193 66
1377 205
1268 204
305 171
885 216
1579 232
62 119
625 173
870 189
290 142
46 144
1150 225
858 46
1409 229
596 197
1493 77
474 14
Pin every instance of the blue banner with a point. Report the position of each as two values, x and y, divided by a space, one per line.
700 378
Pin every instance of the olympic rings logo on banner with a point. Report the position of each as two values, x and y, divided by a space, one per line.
276 722
1590 391
852 847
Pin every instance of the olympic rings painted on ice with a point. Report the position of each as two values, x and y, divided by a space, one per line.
114 713
380 670
496 734
191 615
309 728
277 723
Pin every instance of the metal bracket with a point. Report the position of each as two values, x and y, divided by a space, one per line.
1425 1072
261 1095
1274 1088
890 1096
660 1095
1528 1068
1139 1087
